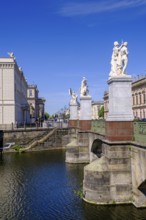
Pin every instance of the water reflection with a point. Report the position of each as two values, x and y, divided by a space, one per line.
40 186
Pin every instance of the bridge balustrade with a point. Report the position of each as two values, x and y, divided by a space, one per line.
98 126
140 132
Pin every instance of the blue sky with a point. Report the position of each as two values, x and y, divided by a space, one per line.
57 42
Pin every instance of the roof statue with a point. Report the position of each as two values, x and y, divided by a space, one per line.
11 54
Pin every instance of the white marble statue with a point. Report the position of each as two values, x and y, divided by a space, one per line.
124 56
74 97
119 59
84 88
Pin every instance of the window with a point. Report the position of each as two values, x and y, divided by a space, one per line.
140 98
143 114
144 98
133 100
136 99
140 115
30 92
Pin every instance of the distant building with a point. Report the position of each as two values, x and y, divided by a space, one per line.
13 94
41 107
36 104
96 106
106 103
32 97
138 98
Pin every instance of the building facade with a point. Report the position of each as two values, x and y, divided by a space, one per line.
36 104
106 103
13 94
41 107
139 98
96 106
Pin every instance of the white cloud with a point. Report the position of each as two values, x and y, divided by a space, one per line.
76 9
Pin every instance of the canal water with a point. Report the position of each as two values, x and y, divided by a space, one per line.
41 186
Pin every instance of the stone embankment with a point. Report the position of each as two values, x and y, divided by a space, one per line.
36 139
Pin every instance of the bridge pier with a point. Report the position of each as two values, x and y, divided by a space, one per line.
138 169
77 151
118 176
107 180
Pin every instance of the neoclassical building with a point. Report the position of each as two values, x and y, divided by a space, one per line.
138 98
32 97
14 107
96 106
19 102
36 103
106 103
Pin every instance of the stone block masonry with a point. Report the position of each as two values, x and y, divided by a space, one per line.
107 180
119 130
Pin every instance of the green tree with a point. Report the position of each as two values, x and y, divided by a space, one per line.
46 115
101 112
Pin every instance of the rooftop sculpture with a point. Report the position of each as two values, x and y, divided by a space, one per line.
11 54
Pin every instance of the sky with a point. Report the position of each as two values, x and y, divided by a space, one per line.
58 42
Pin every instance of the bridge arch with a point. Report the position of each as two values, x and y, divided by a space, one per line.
96 147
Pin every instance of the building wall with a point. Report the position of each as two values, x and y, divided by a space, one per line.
7 97
139 98
21 110
36 104
13 93
96 106
32 96
106 103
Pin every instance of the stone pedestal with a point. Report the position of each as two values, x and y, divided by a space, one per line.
119 130
73 121
119 126
85 113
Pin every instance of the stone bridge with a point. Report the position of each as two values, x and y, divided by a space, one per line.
116 173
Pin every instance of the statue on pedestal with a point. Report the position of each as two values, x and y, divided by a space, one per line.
74 97
119 59
84 88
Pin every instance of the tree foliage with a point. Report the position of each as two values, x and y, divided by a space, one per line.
46 115
101 112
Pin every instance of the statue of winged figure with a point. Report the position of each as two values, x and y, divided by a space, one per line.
74 97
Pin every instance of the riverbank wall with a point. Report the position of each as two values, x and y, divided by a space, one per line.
58 138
